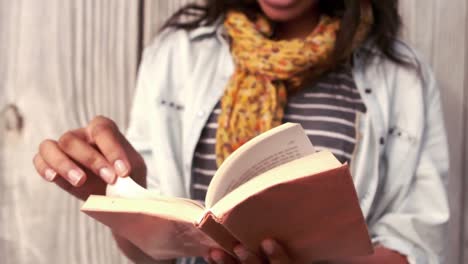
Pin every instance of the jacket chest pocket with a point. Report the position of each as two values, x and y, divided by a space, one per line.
169 117
170 111
401 148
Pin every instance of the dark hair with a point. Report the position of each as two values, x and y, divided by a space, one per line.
384 32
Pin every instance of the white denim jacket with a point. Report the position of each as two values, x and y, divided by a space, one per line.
400 165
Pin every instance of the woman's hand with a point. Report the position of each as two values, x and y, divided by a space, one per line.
85 160
273 251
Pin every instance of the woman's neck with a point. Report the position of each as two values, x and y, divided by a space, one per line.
299 27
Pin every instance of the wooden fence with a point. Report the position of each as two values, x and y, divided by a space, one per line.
64 61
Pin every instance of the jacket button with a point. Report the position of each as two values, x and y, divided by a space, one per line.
13 121
382 140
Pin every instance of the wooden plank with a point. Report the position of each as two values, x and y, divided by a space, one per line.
450 50
63 61
464 204
439 41
417 33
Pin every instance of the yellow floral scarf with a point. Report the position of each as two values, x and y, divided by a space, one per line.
266 70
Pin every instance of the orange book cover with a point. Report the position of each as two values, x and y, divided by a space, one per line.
315 218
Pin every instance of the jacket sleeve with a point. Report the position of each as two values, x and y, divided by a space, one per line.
415 222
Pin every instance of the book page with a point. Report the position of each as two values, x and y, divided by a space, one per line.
128 188
271 149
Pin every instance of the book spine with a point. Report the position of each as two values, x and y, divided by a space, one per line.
211 226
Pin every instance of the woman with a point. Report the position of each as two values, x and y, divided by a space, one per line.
238 68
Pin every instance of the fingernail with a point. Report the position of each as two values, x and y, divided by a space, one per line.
268 247
120 167
50 174
241 253
74 176
217 258
107 174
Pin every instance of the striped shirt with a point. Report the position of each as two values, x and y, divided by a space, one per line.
327 110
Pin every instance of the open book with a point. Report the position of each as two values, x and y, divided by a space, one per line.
274 186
